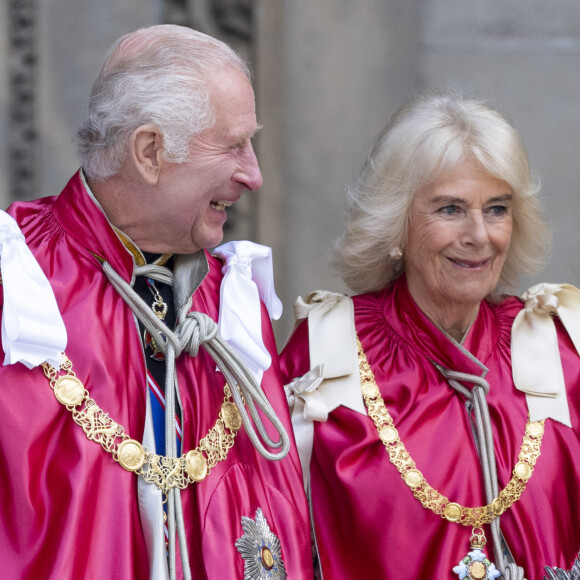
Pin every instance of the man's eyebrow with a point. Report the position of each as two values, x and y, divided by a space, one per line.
239 138
255 132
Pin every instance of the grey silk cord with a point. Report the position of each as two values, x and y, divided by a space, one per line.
484 440
195 329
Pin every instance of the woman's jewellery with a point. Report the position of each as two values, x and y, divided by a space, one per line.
396 253
476 565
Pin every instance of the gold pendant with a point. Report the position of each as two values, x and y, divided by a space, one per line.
476 565
151 345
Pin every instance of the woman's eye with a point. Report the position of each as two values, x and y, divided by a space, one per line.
498 210
449 210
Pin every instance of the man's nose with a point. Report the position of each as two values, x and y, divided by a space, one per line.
249 174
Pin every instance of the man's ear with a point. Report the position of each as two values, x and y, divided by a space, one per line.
146 152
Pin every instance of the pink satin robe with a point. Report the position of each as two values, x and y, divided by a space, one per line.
368 524
67 509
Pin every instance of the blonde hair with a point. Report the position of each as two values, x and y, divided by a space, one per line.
432 134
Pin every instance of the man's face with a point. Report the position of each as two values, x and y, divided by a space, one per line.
194 196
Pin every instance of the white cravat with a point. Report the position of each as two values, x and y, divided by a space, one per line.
33 331
536 364
248 277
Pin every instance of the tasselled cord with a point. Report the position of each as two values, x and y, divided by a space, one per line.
235 371
195 329
174 508
486 451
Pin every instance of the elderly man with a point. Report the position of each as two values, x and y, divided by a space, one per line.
138 439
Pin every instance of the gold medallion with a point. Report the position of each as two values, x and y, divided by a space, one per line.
69 390
413 478
477 570
165 472
267 558
535 429
231 416
475 565
388 434
523 470
428 497
497 506
131 455
196 465
452 512
370 390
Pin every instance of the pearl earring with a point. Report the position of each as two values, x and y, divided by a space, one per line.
396 253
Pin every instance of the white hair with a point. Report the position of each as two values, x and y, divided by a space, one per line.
157 75
432 134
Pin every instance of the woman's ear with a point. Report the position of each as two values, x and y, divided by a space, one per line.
146 152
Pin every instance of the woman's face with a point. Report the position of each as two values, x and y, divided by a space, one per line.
459 234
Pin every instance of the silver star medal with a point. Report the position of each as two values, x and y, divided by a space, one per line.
559 574
261 550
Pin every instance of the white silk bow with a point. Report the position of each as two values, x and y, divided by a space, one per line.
33 331
248 277
306 406
536 364
332 340
334 378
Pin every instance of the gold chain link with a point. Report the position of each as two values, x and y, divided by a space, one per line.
430 498
165 472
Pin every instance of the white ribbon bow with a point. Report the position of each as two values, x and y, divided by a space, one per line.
334 378
306 406
248 277
332 340
33 331
536 364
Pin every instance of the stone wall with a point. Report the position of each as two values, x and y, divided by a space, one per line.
524 56
328 73
345 67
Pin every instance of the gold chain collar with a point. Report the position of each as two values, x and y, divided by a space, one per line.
430 498
165 472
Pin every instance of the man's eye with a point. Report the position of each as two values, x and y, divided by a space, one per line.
241 145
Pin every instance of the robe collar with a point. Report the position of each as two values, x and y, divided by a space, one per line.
415 328
83 219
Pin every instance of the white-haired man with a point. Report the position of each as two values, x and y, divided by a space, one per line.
139 438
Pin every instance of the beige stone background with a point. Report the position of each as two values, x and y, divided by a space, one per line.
328 73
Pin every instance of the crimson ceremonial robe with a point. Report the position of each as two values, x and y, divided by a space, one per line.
367 522
67 509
